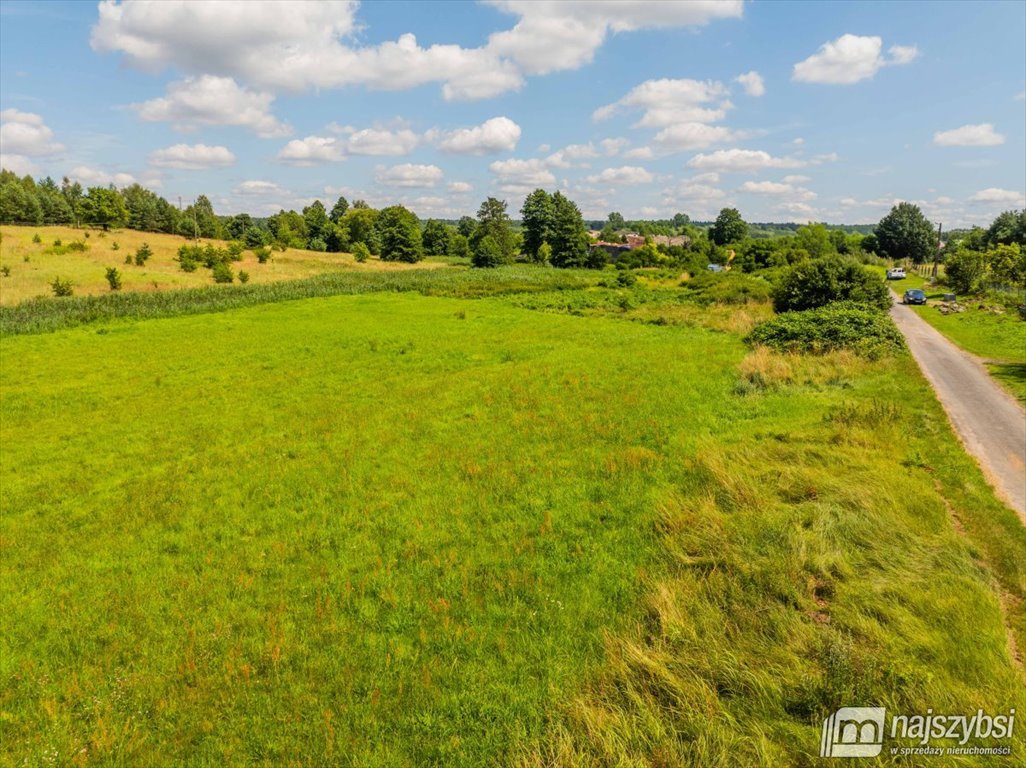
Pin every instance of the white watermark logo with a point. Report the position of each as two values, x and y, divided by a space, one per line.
860 732
853 732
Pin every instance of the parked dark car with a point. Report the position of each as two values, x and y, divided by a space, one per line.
914 296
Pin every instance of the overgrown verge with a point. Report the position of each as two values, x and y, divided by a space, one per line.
841 325
52 314
813 566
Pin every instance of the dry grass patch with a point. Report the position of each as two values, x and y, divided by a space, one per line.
33 266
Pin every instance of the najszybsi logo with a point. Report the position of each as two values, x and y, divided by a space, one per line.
860 731
853 732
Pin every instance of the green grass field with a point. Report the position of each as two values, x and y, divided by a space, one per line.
573 527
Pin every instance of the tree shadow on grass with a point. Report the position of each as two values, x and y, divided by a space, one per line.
1012 376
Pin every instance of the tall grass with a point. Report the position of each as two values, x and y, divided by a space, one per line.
48 314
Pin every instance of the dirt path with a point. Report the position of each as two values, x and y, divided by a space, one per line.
990 423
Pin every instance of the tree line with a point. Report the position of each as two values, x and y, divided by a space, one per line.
551 231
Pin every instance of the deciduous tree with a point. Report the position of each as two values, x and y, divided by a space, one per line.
905 233
729 227
399 230
536 220
569 238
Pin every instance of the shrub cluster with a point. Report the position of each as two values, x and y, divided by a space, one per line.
62 287
143 254
215 259
841 325
75 246
727 288
818 282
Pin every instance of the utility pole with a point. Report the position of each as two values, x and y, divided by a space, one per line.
936 253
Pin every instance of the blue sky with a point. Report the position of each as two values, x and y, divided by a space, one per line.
841 109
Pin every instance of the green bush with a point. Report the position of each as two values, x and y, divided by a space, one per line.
222 273
818 282
61 287
263 254
459 246
487 253
36 238
114 246
75 246
254 237
243 277
113 278
142 255
5 271
965 270
189 257
361 252
843 325
213 256
235 249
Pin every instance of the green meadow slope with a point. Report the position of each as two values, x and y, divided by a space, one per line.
586 527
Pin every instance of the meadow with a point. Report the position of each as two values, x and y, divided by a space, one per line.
33 266
489 517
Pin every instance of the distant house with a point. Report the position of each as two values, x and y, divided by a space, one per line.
682 240
613 249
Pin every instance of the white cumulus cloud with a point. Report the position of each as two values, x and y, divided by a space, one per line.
666 102
500 134
208 100
409 175
312 150
519 176
192 157
850 59
571 154
377 141
752 82
626 175
614 146
777 189
997 195
296 45
93 177
742 160
684 136
259 187
26 134
552 36
639 153
981 135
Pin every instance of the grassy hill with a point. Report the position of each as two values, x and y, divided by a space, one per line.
583 526
34 265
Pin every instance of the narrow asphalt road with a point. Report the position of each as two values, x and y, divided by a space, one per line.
991 424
